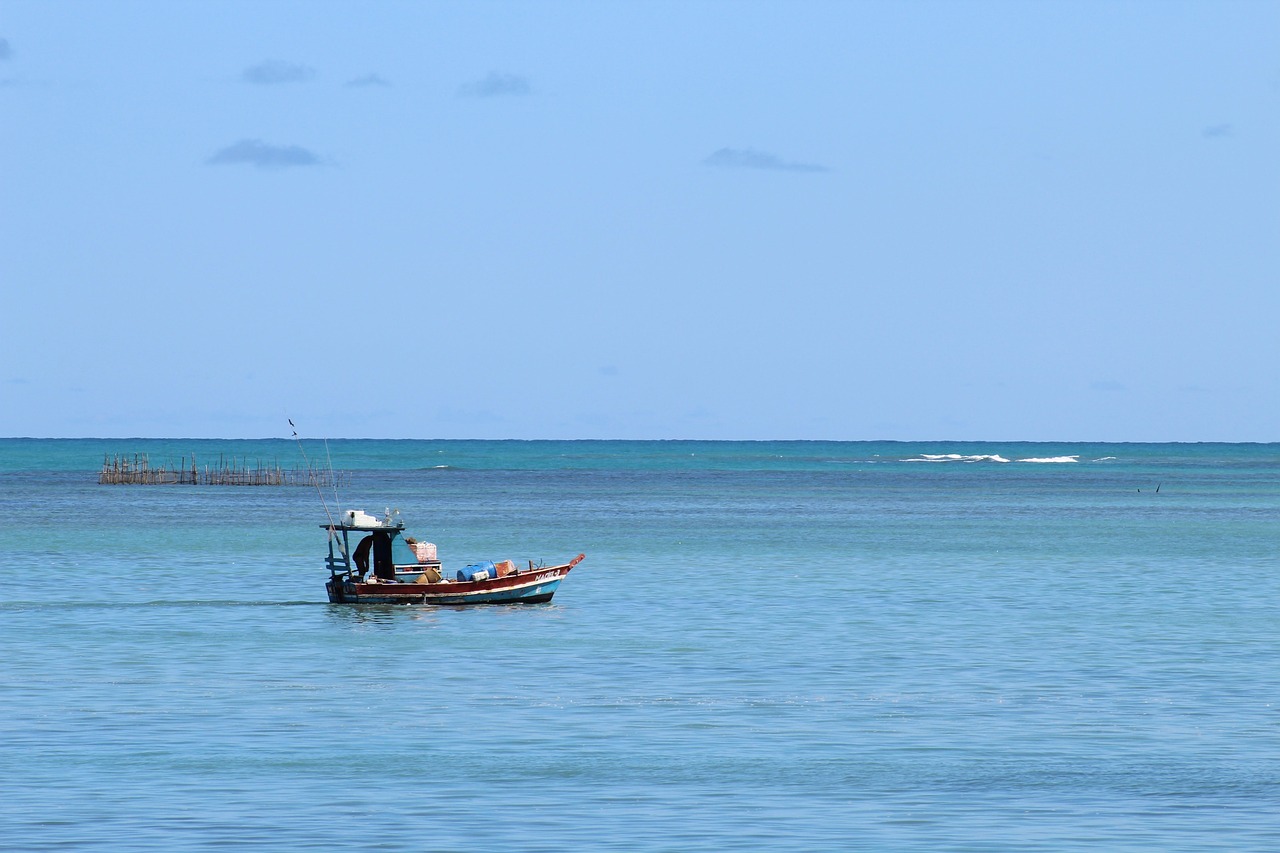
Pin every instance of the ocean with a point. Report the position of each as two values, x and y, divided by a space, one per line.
770 646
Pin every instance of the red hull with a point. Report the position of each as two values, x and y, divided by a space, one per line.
529 586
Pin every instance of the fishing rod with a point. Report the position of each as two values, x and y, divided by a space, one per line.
333 478
314 480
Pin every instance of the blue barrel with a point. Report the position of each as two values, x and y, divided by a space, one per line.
469 572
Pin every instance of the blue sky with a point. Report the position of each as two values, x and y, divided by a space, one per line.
854 220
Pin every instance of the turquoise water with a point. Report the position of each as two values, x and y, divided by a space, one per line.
770 646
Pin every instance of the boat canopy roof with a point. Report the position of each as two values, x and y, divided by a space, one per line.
360 521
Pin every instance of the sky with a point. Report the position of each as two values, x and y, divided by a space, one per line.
1054 221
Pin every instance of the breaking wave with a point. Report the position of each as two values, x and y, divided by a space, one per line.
955 457
989 457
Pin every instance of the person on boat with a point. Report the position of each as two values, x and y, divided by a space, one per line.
361 555
380 544
383 567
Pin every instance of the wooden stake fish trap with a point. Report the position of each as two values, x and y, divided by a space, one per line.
136 470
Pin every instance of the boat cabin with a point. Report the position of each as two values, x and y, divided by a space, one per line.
361 544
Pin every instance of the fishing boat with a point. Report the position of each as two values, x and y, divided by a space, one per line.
371 561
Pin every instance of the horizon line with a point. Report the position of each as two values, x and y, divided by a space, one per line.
690 440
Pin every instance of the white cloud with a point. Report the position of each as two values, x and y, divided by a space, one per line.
497 85
255 152
749 158
367 81
273 72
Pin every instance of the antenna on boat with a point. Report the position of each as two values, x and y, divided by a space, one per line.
323 503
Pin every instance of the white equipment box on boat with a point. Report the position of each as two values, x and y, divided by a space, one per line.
359 518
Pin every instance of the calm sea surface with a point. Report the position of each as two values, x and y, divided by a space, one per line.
792 645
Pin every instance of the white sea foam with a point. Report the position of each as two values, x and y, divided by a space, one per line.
955 457
1052 460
